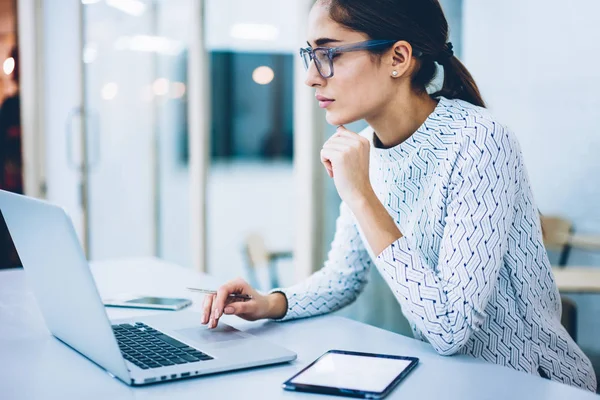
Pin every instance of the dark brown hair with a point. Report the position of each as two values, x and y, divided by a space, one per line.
421 23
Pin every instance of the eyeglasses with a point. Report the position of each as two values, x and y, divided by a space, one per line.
323 56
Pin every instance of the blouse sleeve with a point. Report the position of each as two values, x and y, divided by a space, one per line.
339 282
447 301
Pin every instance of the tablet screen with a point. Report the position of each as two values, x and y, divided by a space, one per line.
355 372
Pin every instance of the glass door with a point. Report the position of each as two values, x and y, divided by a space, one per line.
135 57
115 84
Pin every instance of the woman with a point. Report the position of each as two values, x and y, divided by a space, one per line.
434 193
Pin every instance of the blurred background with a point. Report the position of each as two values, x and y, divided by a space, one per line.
181 129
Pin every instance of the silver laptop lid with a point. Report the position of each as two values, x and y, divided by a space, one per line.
59 275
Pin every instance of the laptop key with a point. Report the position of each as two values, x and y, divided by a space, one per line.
171 341
189 358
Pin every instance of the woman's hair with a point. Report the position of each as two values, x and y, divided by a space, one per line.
421 23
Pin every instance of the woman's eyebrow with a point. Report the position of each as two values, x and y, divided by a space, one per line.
323 41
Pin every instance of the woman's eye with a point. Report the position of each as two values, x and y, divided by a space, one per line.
333 57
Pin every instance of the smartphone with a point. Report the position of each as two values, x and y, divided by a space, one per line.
157 303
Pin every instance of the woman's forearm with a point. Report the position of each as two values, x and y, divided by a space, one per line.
377 225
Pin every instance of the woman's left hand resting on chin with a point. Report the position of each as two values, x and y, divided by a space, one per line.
346 157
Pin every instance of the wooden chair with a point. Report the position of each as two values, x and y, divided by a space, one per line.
257 256
559 236
557 233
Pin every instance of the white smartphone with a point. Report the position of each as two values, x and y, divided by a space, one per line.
158 303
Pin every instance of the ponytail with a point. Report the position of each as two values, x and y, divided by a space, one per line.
458 83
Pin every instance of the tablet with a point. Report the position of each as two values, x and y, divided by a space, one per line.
347 373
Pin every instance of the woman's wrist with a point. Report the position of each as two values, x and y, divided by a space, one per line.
277 305
363 200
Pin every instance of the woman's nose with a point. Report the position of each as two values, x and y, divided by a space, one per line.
313 77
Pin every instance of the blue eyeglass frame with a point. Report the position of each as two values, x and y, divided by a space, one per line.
332 51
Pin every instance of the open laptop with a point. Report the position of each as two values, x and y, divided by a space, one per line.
137 351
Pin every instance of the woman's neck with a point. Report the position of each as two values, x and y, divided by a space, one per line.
401 118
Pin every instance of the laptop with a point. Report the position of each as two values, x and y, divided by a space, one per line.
138 351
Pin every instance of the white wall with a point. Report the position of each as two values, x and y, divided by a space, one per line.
274 15
536 63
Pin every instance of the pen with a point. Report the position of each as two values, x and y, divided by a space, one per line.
234 295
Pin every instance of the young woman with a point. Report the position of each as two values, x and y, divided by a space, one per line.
435 194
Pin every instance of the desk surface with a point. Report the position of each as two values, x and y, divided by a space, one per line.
577 279
34 365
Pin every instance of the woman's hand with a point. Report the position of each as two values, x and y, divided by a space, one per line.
346 157
259 307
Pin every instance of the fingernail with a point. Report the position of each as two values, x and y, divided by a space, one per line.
229 310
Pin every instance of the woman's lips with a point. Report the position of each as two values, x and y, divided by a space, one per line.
324 102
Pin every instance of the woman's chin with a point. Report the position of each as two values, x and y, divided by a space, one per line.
336 119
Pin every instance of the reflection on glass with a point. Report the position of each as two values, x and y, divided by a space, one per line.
250 185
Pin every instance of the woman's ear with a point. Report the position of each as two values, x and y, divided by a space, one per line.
401 58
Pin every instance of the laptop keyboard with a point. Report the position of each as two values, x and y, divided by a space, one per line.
148 348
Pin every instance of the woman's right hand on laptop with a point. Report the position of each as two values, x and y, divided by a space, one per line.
259 307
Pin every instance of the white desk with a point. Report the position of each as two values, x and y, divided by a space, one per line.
34 365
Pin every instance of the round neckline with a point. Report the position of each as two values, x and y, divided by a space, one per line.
423 132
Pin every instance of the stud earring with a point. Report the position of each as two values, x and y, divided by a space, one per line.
394 73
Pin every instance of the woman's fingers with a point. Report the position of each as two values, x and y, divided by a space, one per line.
239 308
206 308
338 146
223 299
330 155
341 131
342 143
344 134
329 168
219 304
327 164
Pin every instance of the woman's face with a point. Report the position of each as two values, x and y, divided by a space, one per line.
361 85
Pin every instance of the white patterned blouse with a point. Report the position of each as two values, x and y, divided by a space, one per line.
471 272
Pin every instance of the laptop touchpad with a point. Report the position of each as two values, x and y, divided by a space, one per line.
221 333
